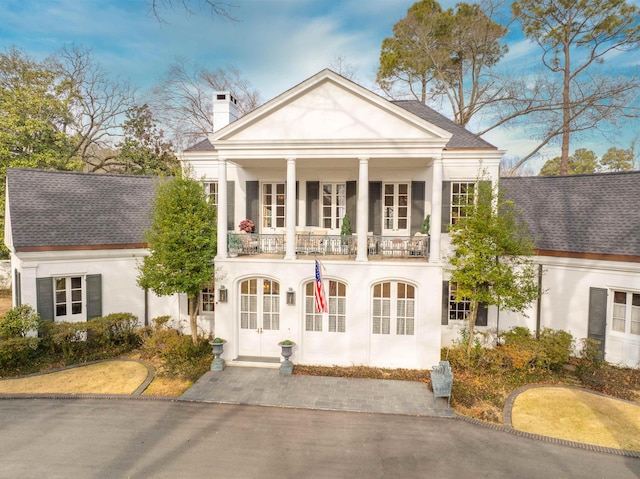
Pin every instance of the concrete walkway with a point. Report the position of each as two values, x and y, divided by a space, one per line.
267 387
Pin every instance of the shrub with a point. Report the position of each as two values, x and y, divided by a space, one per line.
114 330
521 350
183 359
179 356
18 322
16 353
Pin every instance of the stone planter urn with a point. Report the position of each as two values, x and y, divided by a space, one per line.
286 367
218 363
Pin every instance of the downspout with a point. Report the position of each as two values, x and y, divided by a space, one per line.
539 301
146 307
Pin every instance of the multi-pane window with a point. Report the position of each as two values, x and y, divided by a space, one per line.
337 307
396 206
334 201
405 309
211 190
626 312
273 205
382 308
270 304
458 310
462 194
68 297
249 304
393 308
208 298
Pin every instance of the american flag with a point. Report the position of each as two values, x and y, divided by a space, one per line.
321 299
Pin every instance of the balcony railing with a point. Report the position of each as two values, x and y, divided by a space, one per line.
316 243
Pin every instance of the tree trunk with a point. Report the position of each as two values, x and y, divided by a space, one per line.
566 111
473 315
194 307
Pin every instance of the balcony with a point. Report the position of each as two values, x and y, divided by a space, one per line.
319 243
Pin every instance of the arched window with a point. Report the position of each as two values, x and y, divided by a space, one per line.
336 319
393 308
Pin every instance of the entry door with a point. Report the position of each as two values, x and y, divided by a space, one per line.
259 318
395 210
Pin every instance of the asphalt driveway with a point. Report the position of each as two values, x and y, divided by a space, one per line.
113 438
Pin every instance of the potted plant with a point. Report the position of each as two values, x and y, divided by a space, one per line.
235 245
424 229
247 226
286 367
218 363
345 233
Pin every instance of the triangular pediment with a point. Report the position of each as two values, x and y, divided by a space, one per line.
329 107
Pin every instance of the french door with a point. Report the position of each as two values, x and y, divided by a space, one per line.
259 317
273 207
395 210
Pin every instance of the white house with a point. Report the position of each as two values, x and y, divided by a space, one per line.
295 167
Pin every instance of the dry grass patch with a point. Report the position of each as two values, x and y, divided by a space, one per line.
164 386
111 377
579 416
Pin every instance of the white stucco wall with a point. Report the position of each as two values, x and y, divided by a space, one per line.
120 292
357 346
565 302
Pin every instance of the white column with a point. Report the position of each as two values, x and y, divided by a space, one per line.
436 211
290 214
362 209
222 208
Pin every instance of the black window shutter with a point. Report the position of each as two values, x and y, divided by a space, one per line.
417 205
352 204
375 207
231 194
446 206
253 204
44 291
597 316
313 203
17 287
94 296
445 303
482 315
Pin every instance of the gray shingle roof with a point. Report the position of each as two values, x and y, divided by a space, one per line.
202 145
462 138
597 214
57 209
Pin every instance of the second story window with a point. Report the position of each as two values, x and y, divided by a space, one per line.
211 190
462 194
334 201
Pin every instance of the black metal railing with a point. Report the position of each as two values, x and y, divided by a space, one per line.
314 243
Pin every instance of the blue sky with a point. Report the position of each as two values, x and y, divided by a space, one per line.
275 43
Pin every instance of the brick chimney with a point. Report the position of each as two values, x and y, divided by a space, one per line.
225 109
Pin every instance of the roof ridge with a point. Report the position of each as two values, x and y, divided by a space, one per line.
82 173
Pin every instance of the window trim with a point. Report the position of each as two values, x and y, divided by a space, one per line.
628 313
391 326
338 211
324 320
212 196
